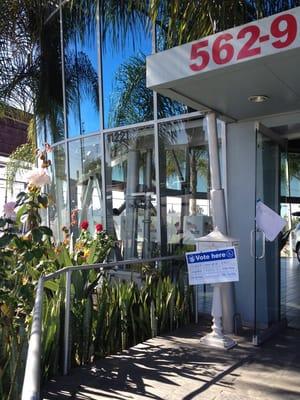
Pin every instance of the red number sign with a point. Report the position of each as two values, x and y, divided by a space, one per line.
198 53
222 46
244 43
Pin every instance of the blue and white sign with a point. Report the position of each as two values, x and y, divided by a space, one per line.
213 266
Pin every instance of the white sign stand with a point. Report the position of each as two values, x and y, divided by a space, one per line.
216 240
216 338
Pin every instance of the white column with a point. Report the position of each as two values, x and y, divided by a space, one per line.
131 210
222 293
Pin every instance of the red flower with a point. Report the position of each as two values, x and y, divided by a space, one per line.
99 228
84 225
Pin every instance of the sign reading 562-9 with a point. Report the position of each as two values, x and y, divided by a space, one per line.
265 37
262 37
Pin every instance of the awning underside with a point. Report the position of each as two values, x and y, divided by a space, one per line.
227 89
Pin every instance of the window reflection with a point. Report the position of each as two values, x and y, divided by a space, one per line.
126 99
184 173
58 209
53 129
169 108
290 175
81 73
165 106
50 101
40 134
131 194
85 183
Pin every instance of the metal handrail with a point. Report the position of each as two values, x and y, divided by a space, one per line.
31 383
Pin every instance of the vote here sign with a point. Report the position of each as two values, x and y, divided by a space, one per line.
213 266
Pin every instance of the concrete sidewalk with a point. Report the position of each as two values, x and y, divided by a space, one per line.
177 367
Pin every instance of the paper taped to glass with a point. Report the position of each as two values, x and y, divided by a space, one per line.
268 221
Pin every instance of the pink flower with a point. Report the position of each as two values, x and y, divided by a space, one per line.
9 209
99 228
38 177
84 225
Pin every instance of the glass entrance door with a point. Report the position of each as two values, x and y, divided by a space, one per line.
266 254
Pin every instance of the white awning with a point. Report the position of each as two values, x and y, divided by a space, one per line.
222 71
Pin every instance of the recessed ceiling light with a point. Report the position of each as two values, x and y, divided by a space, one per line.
259 98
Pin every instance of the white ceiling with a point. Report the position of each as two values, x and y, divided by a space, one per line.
226 90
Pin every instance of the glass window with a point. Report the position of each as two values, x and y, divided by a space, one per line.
290 175
81 71
185 181
85 183
131 193
161 36
126 99
58 204
165 106
51 7
49 104
41 138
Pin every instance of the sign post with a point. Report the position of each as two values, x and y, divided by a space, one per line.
214 262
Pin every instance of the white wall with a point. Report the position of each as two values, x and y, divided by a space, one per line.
241 209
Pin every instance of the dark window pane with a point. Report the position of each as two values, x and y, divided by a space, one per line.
49 102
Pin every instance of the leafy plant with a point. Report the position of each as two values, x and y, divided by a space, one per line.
108 314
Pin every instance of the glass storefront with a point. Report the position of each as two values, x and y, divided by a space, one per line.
125 159
133 160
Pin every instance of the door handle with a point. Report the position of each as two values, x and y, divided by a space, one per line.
252 235
263 250
253 244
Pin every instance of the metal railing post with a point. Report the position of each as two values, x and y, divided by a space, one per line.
31 385
67 321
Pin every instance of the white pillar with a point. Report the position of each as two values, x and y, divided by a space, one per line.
216 338
219 214
131 210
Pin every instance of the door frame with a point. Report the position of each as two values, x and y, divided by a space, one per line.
260 337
